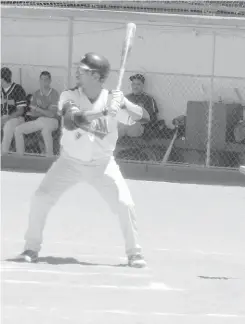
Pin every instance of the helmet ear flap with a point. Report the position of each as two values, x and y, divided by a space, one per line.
96 75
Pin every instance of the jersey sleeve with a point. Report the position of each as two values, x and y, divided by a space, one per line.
64 97
154 104
34 99
20 97
55 98
124 117
151 107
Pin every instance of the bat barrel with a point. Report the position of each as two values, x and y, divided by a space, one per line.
127 46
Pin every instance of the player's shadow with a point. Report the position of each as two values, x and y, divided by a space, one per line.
59 261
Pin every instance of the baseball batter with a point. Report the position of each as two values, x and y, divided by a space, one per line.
90 120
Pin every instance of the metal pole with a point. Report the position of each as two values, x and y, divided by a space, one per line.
20 74
210 108
70 52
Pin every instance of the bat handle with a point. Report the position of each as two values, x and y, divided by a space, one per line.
120 78
166 156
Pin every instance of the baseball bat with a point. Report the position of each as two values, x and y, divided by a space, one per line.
127 46
167 154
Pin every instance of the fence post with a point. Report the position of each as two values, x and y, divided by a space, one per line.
210 108
20 75
70 51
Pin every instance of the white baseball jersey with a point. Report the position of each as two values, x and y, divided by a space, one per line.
97 140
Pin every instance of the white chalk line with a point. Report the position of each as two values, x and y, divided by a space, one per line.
5 269
82 244
194 252
123 312
154 286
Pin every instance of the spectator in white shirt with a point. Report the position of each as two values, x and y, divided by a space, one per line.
43 113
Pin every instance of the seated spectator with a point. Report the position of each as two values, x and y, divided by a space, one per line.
13 103
41 117
139 97
239 130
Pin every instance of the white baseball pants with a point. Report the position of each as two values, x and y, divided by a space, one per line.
106 179
44 124
8 132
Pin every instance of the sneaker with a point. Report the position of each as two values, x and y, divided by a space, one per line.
28 256
136 261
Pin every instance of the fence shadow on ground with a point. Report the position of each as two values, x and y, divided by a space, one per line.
139 171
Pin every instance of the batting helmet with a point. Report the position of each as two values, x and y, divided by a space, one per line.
95 62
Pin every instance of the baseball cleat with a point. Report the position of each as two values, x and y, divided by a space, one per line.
242 169
136 261
28 256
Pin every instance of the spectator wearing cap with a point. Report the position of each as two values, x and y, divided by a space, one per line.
42 116
13 103
139 97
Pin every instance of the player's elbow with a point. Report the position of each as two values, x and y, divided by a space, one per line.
20 110
139 115
68 110
68 121
145 117
53 110
136 112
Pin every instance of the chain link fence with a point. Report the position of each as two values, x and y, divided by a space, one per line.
201 7
218 140
203 113
187 101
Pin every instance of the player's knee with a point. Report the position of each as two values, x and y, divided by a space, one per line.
39 193
45 190
8 126
46 132
126 202
18 131
43 197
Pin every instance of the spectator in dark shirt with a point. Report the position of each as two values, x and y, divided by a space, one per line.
139 97
13 103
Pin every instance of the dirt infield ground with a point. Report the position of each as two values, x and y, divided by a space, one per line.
193 239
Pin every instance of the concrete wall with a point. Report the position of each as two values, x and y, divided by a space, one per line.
176 59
